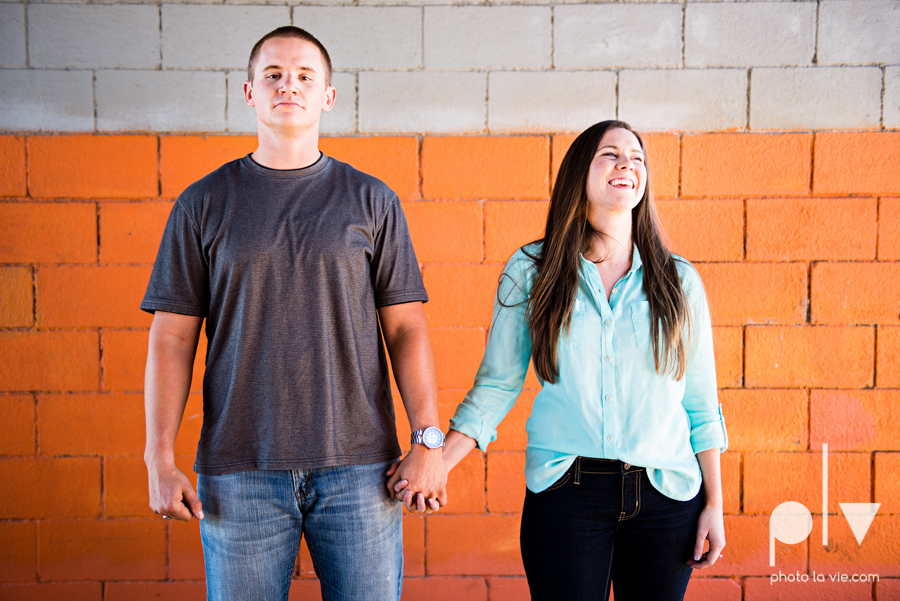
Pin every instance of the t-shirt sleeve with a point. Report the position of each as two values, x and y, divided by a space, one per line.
180 279
395 271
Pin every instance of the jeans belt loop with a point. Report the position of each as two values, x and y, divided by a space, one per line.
578 470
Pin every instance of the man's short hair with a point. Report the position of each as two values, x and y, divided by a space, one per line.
289 31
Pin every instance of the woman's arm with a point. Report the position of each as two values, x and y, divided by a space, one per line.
456 446
711 525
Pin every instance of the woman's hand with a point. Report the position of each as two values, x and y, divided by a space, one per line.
711 526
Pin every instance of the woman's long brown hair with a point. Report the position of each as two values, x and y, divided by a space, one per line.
569 234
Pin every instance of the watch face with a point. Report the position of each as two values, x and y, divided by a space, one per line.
432 437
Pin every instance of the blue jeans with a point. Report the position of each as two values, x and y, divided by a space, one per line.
603 522
254 520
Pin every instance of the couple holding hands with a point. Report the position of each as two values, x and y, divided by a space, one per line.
304 272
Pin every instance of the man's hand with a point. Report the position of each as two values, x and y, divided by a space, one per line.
419 481
171 493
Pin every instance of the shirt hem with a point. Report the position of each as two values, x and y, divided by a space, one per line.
170 307
402 297
295 464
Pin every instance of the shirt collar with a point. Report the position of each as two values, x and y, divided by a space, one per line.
636 262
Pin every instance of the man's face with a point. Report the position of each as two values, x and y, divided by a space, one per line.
288 88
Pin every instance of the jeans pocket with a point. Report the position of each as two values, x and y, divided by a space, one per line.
561 482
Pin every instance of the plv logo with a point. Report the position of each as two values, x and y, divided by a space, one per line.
791 522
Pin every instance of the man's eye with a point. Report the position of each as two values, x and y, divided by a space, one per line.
272 76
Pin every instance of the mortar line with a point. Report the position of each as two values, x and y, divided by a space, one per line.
683 32
815 57
883 90
159 15
27 46
617 72
94 97
552 37
749 89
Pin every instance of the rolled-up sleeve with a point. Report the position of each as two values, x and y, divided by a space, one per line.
501 376
700 395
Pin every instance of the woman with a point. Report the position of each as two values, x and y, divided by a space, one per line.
627 424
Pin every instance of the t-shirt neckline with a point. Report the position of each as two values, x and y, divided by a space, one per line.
255 167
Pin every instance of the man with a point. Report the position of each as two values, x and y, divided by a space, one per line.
293 258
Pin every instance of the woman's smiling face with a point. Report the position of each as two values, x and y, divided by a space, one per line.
618 173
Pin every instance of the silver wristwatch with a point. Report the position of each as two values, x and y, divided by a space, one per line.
431 437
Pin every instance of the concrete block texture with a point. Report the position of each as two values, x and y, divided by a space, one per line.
554 101
687 100
891 117
757 34
815 98
215 37
12 35
132 100
90 37
422 101
46 100
861 31
360 37
487 37
617 35
340 120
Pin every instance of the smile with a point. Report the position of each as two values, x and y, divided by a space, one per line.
622 183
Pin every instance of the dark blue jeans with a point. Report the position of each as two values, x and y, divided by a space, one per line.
603 522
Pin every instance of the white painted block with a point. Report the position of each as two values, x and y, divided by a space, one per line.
487 37
758 34
89 37
683 99
815 98
421 101
617 35
549 101
215 37
362 37
891 117
131 100
46 100
12 35
859 31
340 120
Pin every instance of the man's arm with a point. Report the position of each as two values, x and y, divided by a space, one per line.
405 329
170 360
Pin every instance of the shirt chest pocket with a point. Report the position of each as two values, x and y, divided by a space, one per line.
640 319
576 329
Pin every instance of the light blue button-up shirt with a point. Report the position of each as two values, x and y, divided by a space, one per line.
608 401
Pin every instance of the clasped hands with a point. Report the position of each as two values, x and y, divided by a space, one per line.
419 480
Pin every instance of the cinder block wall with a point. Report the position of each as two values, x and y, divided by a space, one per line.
772 129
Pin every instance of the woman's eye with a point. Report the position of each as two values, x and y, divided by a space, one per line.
638 159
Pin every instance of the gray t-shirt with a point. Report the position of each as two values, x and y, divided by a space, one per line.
288 267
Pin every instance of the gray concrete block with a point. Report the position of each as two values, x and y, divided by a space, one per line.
421 101
135 100
891 118
215 37
362 37
815 98
758 34
685 100
549 101
340 120
12 35
617 35
487 37
90 37
48 100
239 117
859 32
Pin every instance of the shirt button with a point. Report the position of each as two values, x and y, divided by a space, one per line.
609 397
627 466
615 290
607 322
609 438
608 359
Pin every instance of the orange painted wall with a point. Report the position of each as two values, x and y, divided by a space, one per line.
797 237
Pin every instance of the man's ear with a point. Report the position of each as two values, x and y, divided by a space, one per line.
330 97
248 93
